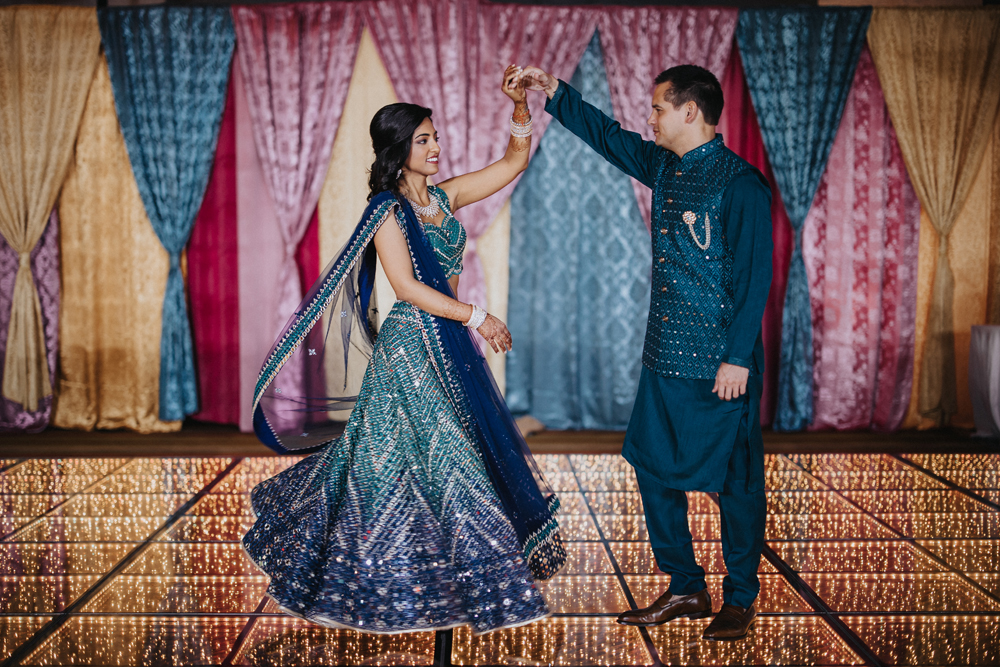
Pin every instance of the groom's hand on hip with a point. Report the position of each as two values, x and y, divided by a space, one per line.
730 381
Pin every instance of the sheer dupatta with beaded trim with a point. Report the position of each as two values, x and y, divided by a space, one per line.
309 383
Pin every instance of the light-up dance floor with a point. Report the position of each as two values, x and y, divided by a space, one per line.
870 559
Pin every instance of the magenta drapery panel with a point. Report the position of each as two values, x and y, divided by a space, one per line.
45 270
296 61
449 55
213 282
860 245
641 42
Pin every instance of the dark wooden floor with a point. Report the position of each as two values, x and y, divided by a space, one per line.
200 439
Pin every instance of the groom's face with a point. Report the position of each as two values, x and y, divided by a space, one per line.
668 121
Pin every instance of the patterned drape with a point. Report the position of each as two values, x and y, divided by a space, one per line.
860 244
799 65
940 70
45 269
213 282
641 42
296 62
429 46
579 279
169 67
741 131
47 61
114 276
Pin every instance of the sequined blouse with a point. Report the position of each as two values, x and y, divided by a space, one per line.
448 238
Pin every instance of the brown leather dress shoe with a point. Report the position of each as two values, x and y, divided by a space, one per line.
730 623
668 607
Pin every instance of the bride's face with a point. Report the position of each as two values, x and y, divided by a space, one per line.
424 150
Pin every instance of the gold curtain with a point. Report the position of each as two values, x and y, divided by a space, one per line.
940 71
114 276
47 61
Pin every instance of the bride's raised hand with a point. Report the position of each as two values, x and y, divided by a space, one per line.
535 78
496 334
511 84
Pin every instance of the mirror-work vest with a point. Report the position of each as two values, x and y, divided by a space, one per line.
692 303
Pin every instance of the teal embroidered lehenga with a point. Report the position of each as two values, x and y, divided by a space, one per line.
398 524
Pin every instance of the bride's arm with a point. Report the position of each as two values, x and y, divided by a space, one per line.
390 244
470 188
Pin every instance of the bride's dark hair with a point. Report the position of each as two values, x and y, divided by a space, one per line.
392 131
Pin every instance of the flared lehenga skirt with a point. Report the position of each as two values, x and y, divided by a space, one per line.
395 526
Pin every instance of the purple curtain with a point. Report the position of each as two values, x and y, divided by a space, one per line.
296 62
449 55
45 269
641 42
860 245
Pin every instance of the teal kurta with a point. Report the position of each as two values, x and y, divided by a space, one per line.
711 237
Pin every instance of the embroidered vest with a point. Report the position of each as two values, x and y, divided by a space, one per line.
691 308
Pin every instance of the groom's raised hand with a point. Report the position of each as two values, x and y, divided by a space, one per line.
534 78
730 381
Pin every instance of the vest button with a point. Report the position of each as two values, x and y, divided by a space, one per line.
678 173
663 230
669 201
665 318
663 289
662 260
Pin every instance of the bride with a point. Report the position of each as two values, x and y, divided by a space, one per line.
421 507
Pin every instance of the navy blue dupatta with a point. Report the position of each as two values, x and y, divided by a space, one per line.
309 382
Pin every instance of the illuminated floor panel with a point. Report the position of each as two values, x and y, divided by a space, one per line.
138 562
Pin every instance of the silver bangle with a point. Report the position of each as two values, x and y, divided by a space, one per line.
520 130
477 319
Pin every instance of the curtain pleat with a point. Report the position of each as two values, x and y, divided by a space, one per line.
45 269
579 279
741 131
47 61
296 62
860 244
940 70
641 42
473 42
114 277
169 69
213 282
799 65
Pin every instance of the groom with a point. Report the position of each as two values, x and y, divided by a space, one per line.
695 425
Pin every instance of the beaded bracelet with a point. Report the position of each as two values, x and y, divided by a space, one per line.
520 130
477 319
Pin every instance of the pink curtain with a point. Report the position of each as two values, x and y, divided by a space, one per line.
296 62
741 131
641 42
213 282
860 245
449 55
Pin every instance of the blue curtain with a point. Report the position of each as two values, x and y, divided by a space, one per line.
580 263
169 69
799 65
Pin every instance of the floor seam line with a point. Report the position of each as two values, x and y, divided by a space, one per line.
654 653
14 533
62 617
947 482
905 538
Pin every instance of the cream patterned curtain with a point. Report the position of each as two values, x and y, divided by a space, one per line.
47 61
940 70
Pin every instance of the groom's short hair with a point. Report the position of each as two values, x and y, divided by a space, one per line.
690 83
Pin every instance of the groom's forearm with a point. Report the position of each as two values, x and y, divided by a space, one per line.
626 150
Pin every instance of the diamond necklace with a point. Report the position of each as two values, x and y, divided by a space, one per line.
428 212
